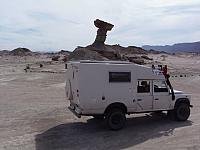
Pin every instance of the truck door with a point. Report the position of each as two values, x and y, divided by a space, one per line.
161 95
144 95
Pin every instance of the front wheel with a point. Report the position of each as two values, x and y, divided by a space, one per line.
116 119
182 112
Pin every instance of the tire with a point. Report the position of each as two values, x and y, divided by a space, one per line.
182 112
116 119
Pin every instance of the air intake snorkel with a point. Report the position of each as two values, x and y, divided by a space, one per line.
170 86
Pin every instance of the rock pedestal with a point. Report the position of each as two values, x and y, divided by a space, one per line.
103 28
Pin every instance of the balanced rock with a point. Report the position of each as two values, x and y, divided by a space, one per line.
103 28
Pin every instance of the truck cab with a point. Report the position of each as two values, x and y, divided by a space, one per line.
157 91
111 89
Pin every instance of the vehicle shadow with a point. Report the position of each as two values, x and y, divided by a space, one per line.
93 135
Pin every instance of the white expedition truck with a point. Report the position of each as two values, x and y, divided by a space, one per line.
112 89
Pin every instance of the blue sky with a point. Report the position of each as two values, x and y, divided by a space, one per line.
52 25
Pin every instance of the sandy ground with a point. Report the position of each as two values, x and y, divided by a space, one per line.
33 115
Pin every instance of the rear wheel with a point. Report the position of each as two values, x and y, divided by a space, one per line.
116 119
182 112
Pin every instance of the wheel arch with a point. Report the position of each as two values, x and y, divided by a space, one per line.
181 100
116 105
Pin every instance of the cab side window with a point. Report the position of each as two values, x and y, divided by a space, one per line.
143 86
160 86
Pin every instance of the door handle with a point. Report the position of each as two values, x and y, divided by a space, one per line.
139 99
156 99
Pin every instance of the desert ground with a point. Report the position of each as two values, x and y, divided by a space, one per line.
34 114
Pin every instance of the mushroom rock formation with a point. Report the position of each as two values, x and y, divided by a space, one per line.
103 28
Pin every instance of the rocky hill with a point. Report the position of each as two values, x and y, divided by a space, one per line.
20 52
180 47
110 52
4 52
98 50
127 50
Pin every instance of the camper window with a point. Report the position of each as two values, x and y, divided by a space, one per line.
160 86
119 76
143 86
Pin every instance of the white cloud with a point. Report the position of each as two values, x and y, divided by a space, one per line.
65 24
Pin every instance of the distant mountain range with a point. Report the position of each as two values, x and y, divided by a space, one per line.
180 47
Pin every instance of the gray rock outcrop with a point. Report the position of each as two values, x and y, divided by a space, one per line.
100 51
